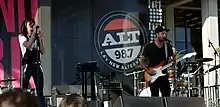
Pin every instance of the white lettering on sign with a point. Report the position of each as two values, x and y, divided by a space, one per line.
131 35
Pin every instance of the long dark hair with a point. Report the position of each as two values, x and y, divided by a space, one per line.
24 26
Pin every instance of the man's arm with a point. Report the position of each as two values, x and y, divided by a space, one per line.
144 64
143 61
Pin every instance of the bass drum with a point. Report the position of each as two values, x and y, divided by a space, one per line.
144 90
147 93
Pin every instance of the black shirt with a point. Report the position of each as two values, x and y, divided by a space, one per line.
155 54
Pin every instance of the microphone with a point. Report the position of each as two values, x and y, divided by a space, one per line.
167 40
36 34
37 27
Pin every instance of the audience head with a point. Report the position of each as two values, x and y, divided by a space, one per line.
18 98
73 100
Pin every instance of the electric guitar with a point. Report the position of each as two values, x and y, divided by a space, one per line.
159 68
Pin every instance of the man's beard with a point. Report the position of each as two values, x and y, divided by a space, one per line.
161 40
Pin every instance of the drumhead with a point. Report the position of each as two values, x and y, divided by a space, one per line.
147 93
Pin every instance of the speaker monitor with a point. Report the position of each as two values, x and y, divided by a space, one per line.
185 102
132 101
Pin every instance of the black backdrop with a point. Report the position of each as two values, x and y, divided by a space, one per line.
73 33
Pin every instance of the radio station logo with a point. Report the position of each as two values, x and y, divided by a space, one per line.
117 40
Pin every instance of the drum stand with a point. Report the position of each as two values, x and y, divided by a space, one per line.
173 87
179 89
189 68
199 81
209 90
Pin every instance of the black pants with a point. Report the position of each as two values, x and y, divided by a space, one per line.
163 84
34 70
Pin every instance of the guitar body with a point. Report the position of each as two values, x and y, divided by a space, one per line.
158 70
160 67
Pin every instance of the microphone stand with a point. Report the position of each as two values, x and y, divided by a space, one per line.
38 61
216 74
174 67
38 66
215 51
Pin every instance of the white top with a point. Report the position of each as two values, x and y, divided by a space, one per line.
22 39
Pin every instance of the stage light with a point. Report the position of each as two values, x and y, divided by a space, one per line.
155 16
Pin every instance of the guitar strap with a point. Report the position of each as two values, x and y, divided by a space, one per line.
165 44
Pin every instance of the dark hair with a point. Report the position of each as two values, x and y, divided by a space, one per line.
73 100
24 25
18 98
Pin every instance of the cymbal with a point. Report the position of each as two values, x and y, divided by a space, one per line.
204 59
213 68
7 80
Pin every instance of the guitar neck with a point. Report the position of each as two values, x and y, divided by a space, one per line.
171 63
179 59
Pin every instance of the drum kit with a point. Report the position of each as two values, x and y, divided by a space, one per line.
7 85
184 82
188 82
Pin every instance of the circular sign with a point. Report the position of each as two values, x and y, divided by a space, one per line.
118 39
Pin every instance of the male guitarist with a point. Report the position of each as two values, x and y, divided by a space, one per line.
153 54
